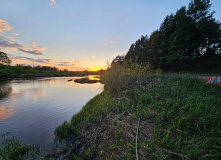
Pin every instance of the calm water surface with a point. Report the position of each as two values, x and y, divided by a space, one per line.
32 109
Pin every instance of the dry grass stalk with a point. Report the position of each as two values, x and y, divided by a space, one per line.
138 124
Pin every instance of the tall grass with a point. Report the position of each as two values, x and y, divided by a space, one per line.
187 114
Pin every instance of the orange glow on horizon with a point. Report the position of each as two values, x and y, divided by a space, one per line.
24 62
96 68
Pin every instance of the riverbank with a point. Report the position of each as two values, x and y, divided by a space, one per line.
157 117
38 106
12 74
169 116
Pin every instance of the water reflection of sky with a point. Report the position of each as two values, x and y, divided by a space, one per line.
34 108
5 112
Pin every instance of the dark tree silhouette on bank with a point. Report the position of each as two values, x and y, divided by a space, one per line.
190 39
4 60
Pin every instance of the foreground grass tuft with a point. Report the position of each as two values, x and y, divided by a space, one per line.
12 149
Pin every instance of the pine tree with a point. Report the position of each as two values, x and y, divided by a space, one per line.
207 28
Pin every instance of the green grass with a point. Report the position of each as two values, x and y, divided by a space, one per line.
187 116
179 119
179 116
12 149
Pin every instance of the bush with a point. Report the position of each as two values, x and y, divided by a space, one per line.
120 77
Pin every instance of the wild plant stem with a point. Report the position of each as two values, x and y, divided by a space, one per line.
138 124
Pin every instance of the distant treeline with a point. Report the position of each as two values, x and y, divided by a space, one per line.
27 71
38 68
46 68
22 71
189 40
31 68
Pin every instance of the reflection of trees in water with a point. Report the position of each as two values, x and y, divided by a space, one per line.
5 89
5 111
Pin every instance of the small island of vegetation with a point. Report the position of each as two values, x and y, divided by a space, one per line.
86 80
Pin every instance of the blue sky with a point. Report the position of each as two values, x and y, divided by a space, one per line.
79 34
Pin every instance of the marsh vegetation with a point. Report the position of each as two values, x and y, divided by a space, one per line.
179 118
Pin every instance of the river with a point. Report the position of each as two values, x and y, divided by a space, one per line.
32 109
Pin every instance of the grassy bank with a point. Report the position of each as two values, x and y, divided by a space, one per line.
11 73
179 118
145 115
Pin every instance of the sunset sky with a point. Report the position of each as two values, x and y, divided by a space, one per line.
79 34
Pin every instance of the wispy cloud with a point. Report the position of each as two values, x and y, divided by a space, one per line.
68 64
38 60
7 43
53 2
40 48
34 52
32 43
4 25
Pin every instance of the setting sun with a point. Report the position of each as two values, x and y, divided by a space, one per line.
95 69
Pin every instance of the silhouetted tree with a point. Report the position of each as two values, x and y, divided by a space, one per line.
118 59
207 28
4 60
184 40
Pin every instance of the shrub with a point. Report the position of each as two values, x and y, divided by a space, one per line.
120 77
